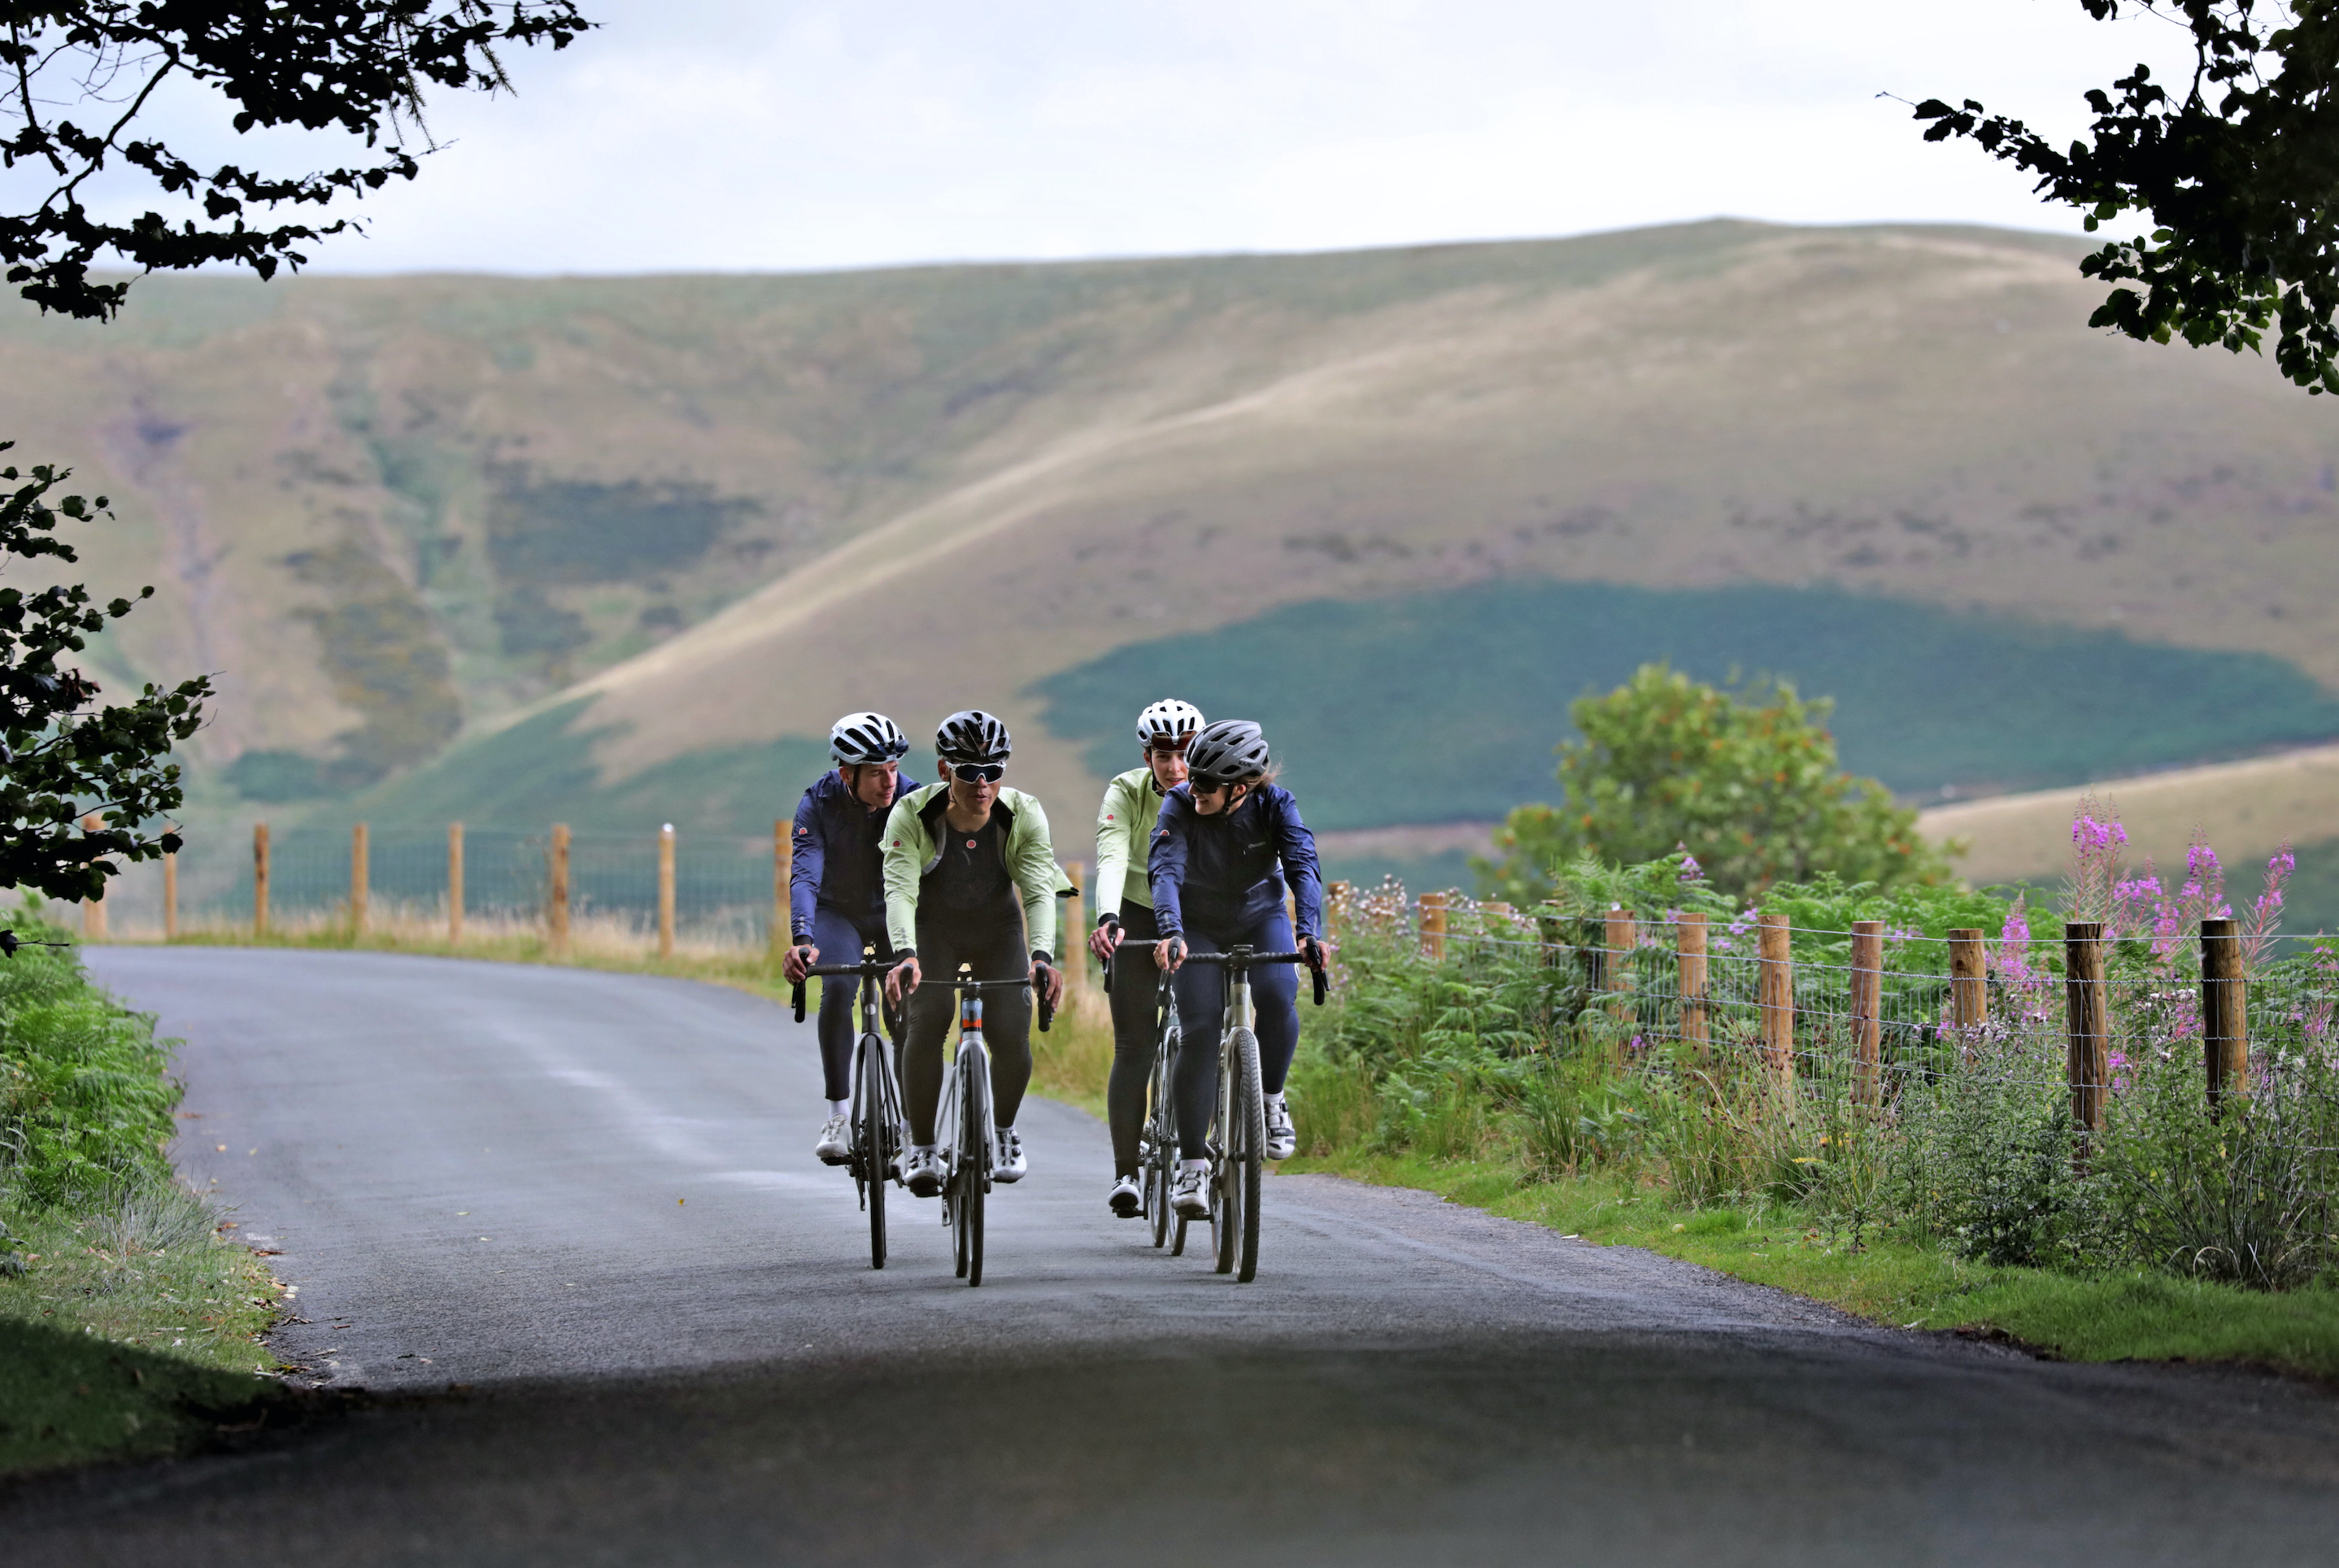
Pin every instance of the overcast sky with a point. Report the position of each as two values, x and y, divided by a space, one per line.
749 135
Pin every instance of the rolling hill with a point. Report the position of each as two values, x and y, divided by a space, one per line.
625 547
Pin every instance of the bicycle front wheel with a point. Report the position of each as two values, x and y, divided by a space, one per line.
871 1133
1161 1147
1246 1149
974 1173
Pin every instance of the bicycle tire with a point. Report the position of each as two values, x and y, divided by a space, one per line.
869 1139
1247 1151
1162 1152
975 1123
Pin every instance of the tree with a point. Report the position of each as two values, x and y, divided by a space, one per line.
59 759
1747 783
2238 173
356 66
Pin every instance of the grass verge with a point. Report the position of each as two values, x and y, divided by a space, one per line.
1892 1280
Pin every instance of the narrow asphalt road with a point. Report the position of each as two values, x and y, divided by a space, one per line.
570 1223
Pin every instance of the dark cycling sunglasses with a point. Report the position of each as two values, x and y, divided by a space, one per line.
989 773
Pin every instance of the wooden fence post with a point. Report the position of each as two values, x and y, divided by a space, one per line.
2225 1012
454 883
1689 944
360 892
1968 988
1867 1012
2087 1025
1617 936
1433 926
171 896
92 910
258 879
1072 949
555 903
666 891
1776 995
782 858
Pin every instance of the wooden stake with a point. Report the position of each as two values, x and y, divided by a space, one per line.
2088 1026
2225 1012
360 892
258 879
1433 926
92 910
1867 1010
556 911
1073 950
1776 995
171 896
1617 937
1968 990
666 891
454 884
781 858
1689 943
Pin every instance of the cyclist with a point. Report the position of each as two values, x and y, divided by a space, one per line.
971 877
1125 913
836 894
1227 841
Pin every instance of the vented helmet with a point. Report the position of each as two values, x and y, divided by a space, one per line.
858 738
1168 720
973 736
1228 752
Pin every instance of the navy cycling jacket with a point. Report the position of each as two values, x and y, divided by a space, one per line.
836 847
1226 872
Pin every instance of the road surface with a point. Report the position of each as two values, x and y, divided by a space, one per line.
570 1224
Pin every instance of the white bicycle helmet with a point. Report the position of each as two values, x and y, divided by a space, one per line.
1168 720
859 738
972 736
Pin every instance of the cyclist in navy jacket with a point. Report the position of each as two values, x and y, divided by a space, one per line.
836 893
1228 842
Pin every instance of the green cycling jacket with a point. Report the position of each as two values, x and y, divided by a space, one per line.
910 852
1124 830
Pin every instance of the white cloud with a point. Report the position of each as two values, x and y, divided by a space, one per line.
728 135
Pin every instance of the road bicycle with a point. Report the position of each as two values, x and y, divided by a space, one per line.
1236 1145
1157 1145
965 1131
876 1123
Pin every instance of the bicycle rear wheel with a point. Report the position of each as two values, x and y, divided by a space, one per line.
1246 1155
871 1133
973 1162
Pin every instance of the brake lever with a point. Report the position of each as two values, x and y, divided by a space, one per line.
799 1000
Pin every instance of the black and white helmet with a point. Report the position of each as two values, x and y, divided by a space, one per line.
973 736
858 738
1228 752
1168 720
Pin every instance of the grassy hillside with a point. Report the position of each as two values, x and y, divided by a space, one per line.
390 509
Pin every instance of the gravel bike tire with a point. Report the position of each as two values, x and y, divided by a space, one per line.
1247 1155
975 1121
869 1140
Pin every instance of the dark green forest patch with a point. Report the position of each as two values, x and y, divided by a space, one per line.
1446 707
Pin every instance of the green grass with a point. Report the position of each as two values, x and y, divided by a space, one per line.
1893 1280
1482 676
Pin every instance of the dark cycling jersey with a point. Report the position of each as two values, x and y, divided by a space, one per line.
1227 872
837 844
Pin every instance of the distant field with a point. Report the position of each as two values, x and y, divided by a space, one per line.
1447 706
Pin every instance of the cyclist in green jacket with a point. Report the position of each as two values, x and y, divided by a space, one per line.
1125 915
971 877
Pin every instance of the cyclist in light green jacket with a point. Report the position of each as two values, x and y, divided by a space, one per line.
1125 913
971 877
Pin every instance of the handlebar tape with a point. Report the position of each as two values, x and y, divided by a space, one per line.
799 1000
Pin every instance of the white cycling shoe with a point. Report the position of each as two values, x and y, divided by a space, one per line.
1011 1164
1127 1199
1190 1197
1282 1138
835 1145
922 1173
